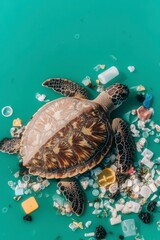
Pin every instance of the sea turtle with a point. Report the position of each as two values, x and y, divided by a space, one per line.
71 135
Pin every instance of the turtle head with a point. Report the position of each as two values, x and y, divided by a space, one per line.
113 96
116 95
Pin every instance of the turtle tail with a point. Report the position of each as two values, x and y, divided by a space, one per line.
10 145
66 87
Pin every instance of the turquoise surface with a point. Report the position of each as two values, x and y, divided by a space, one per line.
46 38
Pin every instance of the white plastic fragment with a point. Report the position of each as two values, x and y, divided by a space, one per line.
128 227
154 197
131 68
95 172
147 153
129 183
91 234
40 97
158 204
91 181
135 188
113 187
26 178
147 162
45 183
103 190
36 187
96 205
7 111
157 182
135 207
87 81
88 223
95 192
90 204
73 227
16 175
115 220
114 213
97 211
58 191
108 75
119 207
19 191
85 182
145 192
95 185
153 187
156 140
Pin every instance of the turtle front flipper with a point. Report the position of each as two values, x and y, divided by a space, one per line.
71 190
10 145
66 87
125 146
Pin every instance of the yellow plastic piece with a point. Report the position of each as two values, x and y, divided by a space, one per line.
140 88
17 122
78 224
97 81
106 177
102 66
29 205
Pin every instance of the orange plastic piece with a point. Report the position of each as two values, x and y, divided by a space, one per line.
106 177
17 122
29 205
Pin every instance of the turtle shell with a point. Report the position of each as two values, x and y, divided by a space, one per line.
66 137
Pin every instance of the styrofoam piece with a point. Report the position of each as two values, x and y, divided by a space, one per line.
147 153
115 220
147 162
108 75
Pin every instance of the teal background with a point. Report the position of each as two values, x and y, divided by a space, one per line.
37 41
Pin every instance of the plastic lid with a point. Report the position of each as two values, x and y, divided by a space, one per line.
106 177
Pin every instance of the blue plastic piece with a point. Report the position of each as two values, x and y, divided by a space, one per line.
148 100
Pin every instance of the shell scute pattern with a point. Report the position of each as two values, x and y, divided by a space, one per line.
76 147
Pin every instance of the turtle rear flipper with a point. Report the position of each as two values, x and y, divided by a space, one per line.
66 87
72 192
10 145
